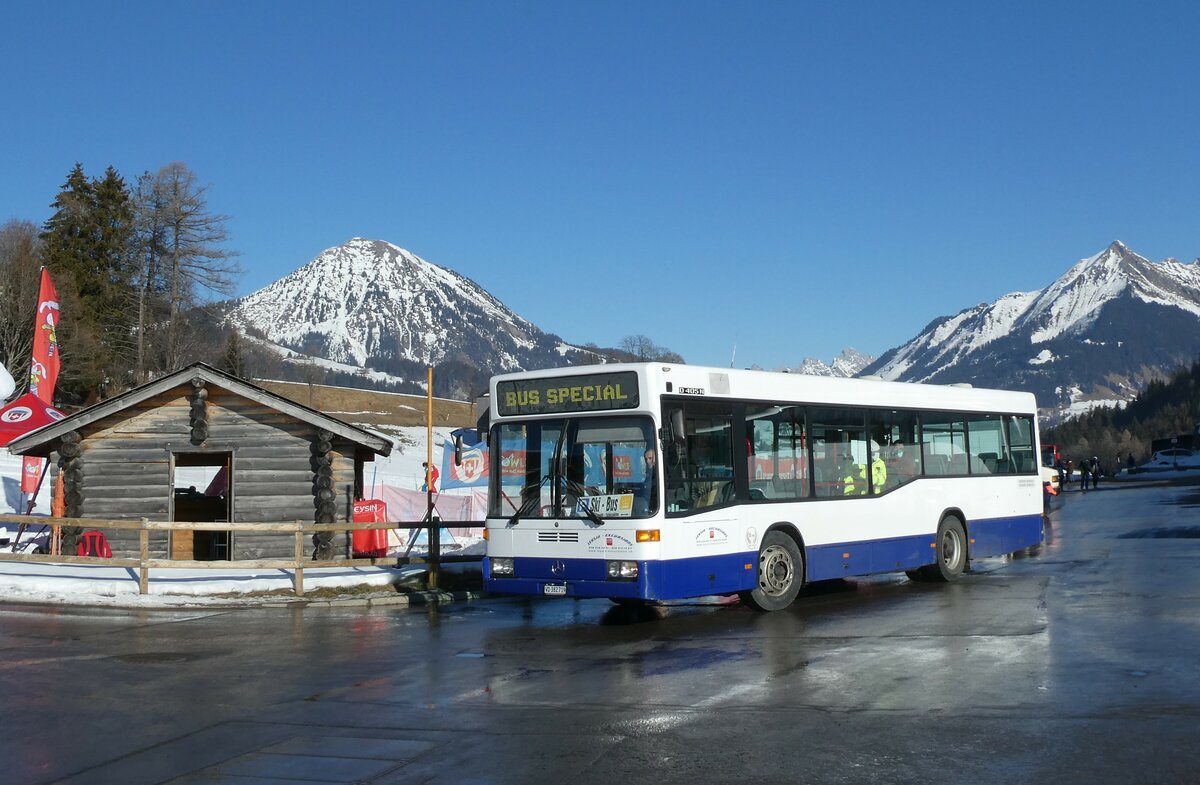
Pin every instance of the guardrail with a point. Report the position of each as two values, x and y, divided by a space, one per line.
298 530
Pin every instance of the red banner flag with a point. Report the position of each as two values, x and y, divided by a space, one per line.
43 367
43 371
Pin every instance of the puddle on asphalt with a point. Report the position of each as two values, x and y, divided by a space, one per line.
1163 533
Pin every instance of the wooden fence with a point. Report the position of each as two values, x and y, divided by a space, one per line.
298 529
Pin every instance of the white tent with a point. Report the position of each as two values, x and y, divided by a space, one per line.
7 385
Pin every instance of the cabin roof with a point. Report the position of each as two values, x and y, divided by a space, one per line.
44 437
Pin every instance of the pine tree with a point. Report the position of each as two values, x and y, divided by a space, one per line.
232 360
87 249
20 255
181 261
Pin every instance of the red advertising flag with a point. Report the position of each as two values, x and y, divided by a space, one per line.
43 367
43 371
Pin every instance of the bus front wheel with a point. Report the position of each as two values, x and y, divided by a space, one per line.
780 573
951 548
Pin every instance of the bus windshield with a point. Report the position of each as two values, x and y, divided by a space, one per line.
586 467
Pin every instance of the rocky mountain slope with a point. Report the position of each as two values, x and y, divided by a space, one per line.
369 303
1107 326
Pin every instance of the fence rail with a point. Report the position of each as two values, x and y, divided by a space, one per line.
298 529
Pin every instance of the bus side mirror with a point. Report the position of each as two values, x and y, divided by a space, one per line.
677 431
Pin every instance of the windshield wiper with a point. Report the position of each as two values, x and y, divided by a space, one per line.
528 505
592 515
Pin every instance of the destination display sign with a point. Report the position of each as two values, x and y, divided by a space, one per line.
587 393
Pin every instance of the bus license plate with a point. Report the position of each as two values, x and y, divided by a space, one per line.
555 589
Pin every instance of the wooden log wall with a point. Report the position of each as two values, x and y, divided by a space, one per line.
123 471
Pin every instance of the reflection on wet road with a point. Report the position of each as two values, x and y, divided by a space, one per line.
1071 662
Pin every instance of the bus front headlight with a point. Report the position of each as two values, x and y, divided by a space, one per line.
622 570
502 567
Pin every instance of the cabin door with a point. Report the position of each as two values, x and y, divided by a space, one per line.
201 492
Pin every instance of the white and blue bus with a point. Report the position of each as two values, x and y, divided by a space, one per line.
650 481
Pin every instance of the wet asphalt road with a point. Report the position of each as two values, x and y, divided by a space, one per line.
1078 662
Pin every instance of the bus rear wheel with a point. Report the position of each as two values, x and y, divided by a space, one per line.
951 548
780 574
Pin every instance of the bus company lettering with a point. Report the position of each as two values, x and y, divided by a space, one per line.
711 536
609 543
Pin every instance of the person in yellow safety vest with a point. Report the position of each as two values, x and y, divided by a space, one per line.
855 481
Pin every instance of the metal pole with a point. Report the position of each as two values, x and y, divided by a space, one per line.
434 531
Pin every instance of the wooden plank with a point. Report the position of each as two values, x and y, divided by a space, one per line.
218 526
128 523
295 491
138 494
279 463
124 508
139 469
144 556
281 475
298 585
143 453
183 545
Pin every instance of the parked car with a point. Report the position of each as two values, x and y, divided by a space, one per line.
1171 458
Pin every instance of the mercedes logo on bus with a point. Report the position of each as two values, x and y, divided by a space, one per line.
557 567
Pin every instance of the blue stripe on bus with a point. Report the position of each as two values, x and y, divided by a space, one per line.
658 580
727 573
988 537
841 560
997 536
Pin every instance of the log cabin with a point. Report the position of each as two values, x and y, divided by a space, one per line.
259 458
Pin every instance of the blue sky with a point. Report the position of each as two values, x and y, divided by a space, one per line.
792 178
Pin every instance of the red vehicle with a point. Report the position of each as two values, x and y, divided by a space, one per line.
1050 455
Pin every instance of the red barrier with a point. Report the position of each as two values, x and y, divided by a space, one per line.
369 542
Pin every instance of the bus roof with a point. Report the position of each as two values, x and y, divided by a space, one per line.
693 381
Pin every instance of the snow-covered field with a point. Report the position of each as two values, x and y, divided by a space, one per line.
396 479
86 584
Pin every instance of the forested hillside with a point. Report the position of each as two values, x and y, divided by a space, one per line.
1162 409
144 274
136 271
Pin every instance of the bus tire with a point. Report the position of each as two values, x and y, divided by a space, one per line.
780 574
951 552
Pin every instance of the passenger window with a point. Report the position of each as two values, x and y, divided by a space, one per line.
840 452
894 437
699 467
1020 443
988 450
943 444
778 458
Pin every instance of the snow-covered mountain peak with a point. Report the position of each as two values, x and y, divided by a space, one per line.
848 363
1071 303
1110 323
371 302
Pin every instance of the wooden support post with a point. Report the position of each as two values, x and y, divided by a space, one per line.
298 580
144 556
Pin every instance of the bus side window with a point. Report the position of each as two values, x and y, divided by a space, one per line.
707 457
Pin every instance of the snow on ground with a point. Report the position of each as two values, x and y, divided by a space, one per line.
101 585
86 584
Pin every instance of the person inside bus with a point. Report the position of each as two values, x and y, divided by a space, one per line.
854 483
645 498
902 464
